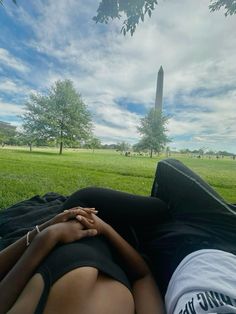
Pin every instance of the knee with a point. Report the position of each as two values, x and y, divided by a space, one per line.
169 165
169 161
83 197
86 193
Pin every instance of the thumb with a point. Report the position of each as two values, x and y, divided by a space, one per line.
88 233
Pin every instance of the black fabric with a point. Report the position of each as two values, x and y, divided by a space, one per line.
120 207
94 252
194 218
200 219
18 219
124 211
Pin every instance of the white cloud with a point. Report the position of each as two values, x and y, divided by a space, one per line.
9 109
7 59
13 87
8 86
195 47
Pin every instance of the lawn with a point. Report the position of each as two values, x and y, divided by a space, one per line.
24 174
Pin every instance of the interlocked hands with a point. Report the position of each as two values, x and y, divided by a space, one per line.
66 227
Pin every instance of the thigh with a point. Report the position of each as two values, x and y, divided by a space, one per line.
119 206
123 211
186 193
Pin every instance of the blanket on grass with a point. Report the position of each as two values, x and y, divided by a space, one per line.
16 220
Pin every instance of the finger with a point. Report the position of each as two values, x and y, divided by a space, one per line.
78 217
87 218
90 210
84 221
72 213
81 210
88 233
85 214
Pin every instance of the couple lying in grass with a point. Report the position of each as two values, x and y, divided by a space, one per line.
105 251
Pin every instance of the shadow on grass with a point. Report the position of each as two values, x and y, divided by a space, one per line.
40 153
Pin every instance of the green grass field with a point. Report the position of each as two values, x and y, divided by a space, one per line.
24 174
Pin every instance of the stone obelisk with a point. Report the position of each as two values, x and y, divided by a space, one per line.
159 91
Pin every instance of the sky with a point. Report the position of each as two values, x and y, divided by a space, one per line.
45 40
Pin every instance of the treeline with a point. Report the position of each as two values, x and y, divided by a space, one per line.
128 149
10 136
59 118
204 152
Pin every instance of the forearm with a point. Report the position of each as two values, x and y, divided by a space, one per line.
14 282
132 260
146 294
10 255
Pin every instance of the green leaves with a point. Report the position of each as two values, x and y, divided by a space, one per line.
153 130
59 116
123 146
228 5
1 2
7 132
133 10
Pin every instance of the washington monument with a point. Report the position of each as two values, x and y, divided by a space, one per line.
159 91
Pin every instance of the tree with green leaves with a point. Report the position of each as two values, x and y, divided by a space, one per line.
61 115
153 130
1 1
228 5
134 11
7 133
92 143
123 146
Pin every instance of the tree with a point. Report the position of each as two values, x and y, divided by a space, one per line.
229 6
93 143
168 151
135 11
7 133
30 139
185 151
34 120
123 146
60 116
1 1
153 130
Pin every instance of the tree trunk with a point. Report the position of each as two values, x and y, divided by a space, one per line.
61 145
151 153
30 146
